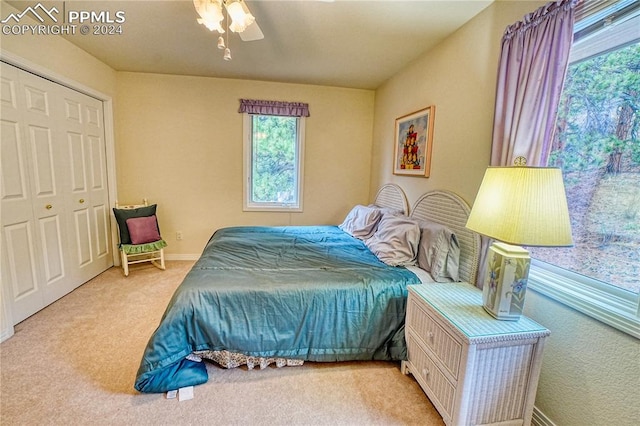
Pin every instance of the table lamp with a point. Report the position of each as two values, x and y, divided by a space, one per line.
517 206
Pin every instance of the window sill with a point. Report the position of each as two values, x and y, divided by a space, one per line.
614 307
273 209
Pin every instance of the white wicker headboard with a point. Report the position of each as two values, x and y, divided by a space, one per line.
392 196
452 211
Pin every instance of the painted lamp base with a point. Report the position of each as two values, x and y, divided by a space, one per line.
505 282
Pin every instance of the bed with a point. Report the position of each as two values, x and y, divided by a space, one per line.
291 294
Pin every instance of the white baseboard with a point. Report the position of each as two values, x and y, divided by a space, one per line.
539 419
6 334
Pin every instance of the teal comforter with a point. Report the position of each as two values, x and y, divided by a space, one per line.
311 292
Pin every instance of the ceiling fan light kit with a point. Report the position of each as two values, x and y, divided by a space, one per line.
211 16
240 15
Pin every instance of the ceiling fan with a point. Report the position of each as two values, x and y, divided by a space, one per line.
242 21
239 20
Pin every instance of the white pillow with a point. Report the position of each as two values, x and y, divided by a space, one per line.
439 252
361 222
396 240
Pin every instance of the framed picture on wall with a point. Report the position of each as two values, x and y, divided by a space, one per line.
412 144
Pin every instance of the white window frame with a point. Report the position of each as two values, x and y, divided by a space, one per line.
604 302
248 204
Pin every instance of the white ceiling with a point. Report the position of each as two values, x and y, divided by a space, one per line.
346 43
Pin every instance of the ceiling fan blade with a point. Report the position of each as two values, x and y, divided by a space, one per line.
253 32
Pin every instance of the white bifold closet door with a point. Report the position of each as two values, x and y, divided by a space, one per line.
55 208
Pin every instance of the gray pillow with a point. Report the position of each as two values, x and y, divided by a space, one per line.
361 222
439 252
396 240
387 210
123 214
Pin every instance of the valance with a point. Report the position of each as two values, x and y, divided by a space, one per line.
287 109
537 17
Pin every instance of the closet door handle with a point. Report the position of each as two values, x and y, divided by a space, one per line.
48 207
81 200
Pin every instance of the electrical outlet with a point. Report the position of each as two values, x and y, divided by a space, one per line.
179 235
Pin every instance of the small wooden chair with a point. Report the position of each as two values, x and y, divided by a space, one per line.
139 234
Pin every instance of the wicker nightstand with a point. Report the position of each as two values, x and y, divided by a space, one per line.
474 369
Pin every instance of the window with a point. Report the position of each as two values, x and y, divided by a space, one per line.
273 154
597 145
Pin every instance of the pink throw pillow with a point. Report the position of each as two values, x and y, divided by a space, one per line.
143 229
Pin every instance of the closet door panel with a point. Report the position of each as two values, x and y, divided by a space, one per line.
37 96
41 144
101 231
82 232
99 187
99 195
52 249
16 193
97 162
14 182
83 125
21 271
73 110
76 154
49 183
21 266
48 206
80 223
14 173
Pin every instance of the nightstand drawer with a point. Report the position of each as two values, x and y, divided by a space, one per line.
437 387
434 337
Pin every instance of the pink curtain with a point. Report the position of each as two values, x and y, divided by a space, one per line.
287 109
533 64
532 68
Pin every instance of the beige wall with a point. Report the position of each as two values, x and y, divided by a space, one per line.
590 371
458 77
179 143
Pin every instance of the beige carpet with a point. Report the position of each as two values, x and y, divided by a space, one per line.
75 362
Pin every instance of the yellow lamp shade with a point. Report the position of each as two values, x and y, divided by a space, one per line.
522 205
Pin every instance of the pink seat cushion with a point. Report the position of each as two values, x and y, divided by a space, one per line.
143 229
